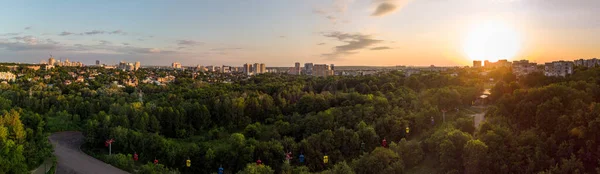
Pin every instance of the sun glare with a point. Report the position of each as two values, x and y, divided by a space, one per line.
492 41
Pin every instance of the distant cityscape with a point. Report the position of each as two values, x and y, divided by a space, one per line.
560 68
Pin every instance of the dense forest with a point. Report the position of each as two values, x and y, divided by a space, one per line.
534 124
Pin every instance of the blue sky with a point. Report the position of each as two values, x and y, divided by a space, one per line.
279 33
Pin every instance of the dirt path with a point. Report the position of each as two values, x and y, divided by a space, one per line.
72 160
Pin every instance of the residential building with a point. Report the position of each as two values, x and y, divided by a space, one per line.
51 61
263 68
524 67
558 68
137 66
322 70
308 68
7 76
499 63
176 65
594 62
200 68
225 69
247 70
296 69
476 63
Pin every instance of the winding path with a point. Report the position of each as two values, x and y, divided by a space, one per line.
72 160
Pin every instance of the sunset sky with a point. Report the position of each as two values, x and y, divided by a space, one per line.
281 32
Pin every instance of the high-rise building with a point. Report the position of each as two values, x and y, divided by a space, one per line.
476 63
308 68
322 70
137 65
176 65
297 68
256 68
263 68
97 62
51 61
247 69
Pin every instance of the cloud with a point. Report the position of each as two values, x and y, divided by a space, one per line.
117 32
27 39
188 43
93 32
321 43
29 43
119 49
50 41
384 8
104 42
331 18
64 33
354 42
27 28
319 11
333 11
10 34
380 48
17 46
224 49
281 36
126 44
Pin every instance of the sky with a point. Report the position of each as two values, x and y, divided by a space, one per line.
281 32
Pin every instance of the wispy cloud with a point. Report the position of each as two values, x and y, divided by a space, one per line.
126 44
117 32
321 43
65 33
334 11
119 49
50 41
104 42
224 49
94 32
10 34
27 28
188 43
353 43
26 39
17 46
380 48
29 43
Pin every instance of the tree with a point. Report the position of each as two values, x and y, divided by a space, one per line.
474 157
252 168
380 160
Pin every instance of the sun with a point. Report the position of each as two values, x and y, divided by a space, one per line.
492 41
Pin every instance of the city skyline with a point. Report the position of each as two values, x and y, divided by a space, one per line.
279 33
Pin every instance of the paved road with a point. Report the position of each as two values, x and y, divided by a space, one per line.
72 160
478 118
